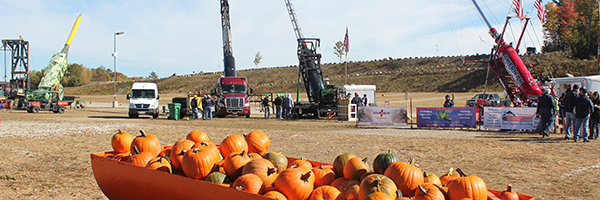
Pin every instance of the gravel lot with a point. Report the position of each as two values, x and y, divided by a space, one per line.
47 156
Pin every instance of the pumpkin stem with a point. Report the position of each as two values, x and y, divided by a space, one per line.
462 174
196 150
423 190
389 151
399 193
378 181
305 177
239 187
160 159
426 174
143 133
271 171
411 161
136 151
119 131
509 188
321 167
450 171
365 160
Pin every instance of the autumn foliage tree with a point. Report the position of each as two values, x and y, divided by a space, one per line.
572 25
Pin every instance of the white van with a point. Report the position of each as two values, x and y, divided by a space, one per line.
143 100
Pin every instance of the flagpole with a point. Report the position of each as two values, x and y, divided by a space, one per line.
598 55
346 81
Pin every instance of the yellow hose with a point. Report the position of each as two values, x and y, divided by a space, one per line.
74 30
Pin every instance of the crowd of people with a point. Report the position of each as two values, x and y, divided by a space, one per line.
579 109
207 104
283 106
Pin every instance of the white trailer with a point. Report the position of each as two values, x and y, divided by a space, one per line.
370 90
591 83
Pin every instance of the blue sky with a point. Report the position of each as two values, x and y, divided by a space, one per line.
185 36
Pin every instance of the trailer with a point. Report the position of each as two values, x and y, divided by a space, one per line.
591 83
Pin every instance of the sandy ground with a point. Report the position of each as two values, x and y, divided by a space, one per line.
47 156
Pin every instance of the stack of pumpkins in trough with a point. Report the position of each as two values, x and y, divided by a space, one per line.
244 163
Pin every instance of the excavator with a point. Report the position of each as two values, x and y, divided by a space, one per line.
50 95
322 99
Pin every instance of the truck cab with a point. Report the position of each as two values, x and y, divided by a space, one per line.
143 100
232 97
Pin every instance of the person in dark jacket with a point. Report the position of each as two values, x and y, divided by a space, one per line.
194 105
278 102
544 110
583 109
449 102
357 100
208 105
265 104
595 117
569 105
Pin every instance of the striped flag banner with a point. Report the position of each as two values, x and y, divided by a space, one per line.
519 8
539 5
346 42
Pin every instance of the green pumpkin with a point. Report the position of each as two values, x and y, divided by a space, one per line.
279 160
340 162
383 161
217 178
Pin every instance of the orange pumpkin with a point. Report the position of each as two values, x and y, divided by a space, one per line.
326 193
121 142
378 196
431 178
165 152
159 163
407 176
275 195
209 146
444 179
340 162
234 163
279 160
140 158
428 191
347 185
323 175
338 182
377 183
295 184
177 153
263 168
250 183
258 142
355 168
352 193
234 143
471 187
197 163
146 142
197 136
301 163
508 194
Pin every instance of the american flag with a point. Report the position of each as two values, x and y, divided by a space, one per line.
540 8
346 42
519 8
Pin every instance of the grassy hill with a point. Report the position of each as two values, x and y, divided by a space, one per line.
431 74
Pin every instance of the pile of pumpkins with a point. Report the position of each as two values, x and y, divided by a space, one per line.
244 163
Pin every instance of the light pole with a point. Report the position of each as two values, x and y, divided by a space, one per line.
114 54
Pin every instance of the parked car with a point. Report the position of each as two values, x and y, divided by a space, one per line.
490 99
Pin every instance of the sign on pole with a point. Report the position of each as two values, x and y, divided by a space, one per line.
510 118
382 116
447 117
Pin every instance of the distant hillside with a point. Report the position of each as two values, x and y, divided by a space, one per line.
433 74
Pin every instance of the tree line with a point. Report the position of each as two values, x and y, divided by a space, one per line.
572 25
78 74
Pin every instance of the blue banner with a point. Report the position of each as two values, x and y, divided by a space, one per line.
447 117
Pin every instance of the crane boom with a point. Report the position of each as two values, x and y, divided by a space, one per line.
228 59
292 14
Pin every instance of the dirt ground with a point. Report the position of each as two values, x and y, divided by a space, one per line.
47 156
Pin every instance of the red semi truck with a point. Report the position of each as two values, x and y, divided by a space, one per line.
232 97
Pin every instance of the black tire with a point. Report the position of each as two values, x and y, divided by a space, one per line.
220 116
29 111
155 116
61 110
248 115
35 109
131 115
